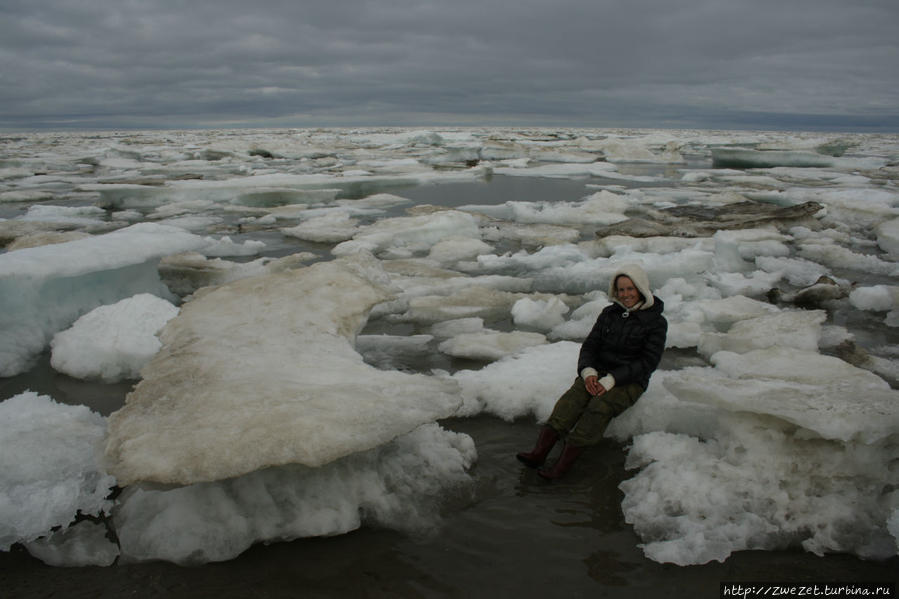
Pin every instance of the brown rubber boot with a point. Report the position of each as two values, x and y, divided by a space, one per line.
569 454
546 440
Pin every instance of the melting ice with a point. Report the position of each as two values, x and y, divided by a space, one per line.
293 325
267 365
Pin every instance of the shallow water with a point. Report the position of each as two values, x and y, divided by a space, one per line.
513 535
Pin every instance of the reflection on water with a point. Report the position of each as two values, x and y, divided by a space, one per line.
100 397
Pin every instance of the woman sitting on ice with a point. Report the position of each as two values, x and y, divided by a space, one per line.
615 363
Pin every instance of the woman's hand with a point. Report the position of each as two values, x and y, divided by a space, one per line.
593 386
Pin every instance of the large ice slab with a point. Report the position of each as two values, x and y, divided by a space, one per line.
772 448
798 329
262 372
821 394
45 289
399 485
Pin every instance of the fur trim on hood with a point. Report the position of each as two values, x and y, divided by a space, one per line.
636 274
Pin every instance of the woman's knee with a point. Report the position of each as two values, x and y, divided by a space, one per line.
617 400
569 407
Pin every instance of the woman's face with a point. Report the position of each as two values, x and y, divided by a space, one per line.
627 292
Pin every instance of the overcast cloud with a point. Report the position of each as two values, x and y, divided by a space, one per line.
794 64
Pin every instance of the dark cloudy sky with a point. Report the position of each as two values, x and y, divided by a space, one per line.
764 64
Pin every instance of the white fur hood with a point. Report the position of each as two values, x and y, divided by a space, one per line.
636 274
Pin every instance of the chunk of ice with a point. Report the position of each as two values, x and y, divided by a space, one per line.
397 485
112 342
262 372
83 544
528 382
43 290
540 315
50 466
490 345
877 298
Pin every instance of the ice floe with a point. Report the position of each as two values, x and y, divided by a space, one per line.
270 411
112 342
267 365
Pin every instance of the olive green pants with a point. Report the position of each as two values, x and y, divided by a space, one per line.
584 417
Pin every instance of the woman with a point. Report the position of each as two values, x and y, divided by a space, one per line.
615 363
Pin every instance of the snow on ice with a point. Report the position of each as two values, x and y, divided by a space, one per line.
112 342
51 466
263 414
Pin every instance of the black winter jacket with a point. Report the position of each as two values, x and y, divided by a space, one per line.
626 345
